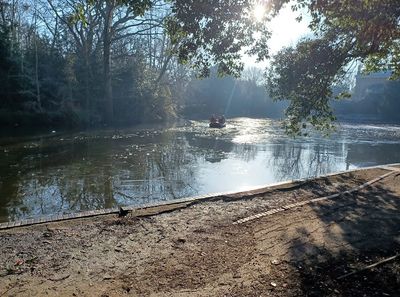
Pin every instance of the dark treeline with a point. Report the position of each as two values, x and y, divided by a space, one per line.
374 98
112 65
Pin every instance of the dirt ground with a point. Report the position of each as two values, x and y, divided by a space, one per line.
198 251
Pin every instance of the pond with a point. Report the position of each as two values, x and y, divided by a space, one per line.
101 169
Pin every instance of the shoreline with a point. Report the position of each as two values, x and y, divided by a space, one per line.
166 206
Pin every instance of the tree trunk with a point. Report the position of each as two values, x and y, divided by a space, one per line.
87 88
108 96
38 99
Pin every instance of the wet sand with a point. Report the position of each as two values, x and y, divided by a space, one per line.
199 249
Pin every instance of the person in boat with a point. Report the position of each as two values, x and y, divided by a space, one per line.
213 119
222 119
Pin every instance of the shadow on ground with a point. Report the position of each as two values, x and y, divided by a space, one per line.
358 230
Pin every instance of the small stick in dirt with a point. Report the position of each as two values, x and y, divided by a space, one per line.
59 278
8 290
369 266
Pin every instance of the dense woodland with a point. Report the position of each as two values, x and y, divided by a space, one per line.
57 68
79 63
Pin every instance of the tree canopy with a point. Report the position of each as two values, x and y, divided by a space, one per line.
216 33
345 31
98 62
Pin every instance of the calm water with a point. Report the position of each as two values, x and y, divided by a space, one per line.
69 173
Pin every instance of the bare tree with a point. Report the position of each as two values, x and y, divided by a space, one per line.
253 74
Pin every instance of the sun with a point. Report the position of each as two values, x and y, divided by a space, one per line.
259 11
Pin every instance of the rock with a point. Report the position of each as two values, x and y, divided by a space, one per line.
126 288
47 234
181 240
237 275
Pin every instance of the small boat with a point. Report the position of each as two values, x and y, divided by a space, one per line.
217 122
217 125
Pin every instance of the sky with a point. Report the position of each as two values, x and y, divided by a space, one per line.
285 31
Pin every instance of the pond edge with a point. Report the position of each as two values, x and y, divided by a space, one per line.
172 205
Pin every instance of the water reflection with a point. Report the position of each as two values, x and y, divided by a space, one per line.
296 160
213 149
78 172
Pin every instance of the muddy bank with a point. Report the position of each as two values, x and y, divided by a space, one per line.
198 250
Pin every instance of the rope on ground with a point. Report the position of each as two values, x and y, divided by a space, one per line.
302 203
369 266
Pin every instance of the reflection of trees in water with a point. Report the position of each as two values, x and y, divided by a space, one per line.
58 182
167 172
176 165
9 186
361 154
9 182
97 173
214 150
246 152
295 160
102 172
72 176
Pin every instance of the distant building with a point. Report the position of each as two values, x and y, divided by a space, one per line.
373 83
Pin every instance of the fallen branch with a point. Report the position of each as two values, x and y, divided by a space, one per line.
369 267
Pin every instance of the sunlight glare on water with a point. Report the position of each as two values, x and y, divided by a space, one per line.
252 131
